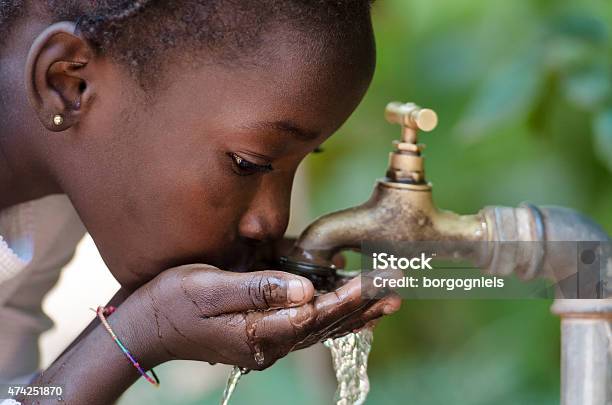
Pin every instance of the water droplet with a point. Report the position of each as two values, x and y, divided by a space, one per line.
259 358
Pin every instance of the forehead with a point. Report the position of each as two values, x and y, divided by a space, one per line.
291 78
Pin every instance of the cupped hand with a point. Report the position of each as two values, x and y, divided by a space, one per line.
198 312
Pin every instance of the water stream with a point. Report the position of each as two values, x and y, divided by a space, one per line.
350 360
232 382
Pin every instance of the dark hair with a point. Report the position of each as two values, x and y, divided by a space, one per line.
136 31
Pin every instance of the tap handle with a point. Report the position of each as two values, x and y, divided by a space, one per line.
405 162
412 117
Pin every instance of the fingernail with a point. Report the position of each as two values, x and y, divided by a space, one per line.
296 291
388 309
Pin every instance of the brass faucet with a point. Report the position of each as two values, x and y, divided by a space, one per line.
401 208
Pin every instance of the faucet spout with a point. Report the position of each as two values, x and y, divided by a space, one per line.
394 212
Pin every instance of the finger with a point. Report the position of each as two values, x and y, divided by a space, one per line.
218 292
385 306
348 326
369 285
336 306
340 303
354 327
372 324
282 330
355 321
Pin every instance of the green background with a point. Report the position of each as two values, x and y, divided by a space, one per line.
523 91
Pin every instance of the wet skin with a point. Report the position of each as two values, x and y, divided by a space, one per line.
197 169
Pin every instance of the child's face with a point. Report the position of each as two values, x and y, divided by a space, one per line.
172 181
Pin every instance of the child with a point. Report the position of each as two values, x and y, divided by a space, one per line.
174 129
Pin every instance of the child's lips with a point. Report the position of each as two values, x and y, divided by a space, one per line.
243 262
233 256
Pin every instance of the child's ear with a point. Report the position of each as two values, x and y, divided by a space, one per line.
58 76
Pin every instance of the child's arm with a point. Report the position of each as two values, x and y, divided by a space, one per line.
201 313
94 370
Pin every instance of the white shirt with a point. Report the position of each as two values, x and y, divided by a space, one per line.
37 239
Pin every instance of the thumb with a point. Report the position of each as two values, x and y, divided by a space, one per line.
220 292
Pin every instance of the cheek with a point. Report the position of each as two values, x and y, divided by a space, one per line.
192 209
162 212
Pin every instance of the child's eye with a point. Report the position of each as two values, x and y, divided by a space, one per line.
243 167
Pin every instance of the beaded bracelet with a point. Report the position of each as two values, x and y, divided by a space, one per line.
102 313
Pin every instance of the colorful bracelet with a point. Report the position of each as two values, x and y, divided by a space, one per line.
102 313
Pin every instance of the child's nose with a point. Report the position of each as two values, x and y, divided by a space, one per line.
268 216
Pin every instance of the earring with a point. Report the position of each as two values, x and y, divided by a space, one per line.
58 120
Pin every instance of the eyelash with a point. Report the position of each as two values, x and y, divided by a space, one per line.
243 167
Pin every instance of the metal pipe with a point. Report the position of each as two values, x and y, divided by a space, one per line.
586 324
586 351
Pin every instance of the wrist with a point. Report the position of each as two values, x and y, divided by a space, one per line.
134 326
97 361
